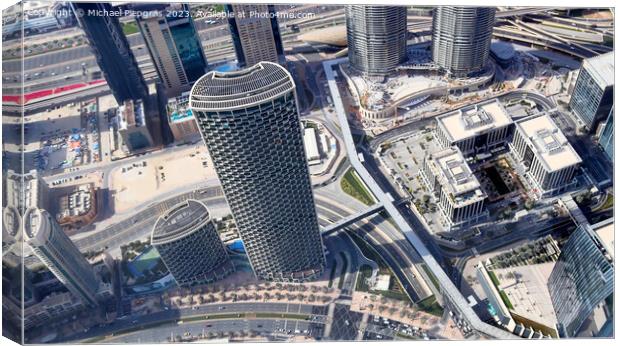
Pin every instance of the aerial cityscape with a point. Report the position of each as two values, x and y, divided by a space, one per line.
200 172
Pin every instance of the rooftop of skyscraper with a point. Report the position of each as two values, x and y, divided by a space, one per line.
33 223
601 68
182 219
605 232
241 88
130 114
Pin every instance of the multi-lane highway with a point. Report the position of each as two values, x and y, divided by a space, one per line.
167 320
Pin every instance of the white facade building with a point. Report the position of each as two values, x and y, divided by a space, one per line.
475 128
546 154
460 199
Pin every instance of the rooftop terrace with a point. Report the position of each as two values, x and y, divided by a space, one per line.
178 109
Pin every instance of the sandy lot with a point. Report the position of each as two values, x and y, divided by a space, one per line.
135 184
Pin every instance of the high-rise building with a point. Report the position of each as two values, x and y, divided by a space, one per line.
377 38
181 118
54 248
606 141
132 125
593 94
174 46
462 38
255 33
545 153
23 191
189 244
583 276
460 198
250 123
111 49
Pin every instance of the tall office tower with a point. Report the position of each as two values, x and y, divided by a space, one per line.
606 141
255 33
583 276
174 46
377 38
189 244
249 121
593 94
111 49
462 38
546 154
54 248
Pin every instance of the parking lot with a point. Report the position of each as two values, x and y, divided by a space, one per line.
382 329
69 137
404 158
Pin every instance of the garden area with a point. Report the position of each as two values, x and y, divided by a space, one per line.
130 28
352 185
539 251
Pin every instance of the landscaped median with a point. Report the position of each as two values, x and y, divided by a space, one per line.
352 185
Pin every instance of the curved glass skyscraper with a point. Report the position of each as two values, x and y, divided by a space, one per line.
377 38
462 38
250 123
189 245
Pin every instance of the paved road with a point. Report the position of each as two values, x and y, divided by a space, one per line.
220 328
377 233
174 315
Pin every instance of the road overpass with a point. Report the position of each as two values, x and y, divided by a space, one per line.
351 219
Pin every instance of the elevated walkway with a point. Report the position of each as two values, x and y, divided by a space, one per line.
351 219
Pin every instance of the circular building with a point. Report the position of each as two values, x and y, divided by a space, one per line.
377 38
189 245
462 38
250 123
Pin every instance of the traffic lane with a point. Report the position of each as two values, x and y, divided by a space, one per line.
386 249
217 329
174 315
